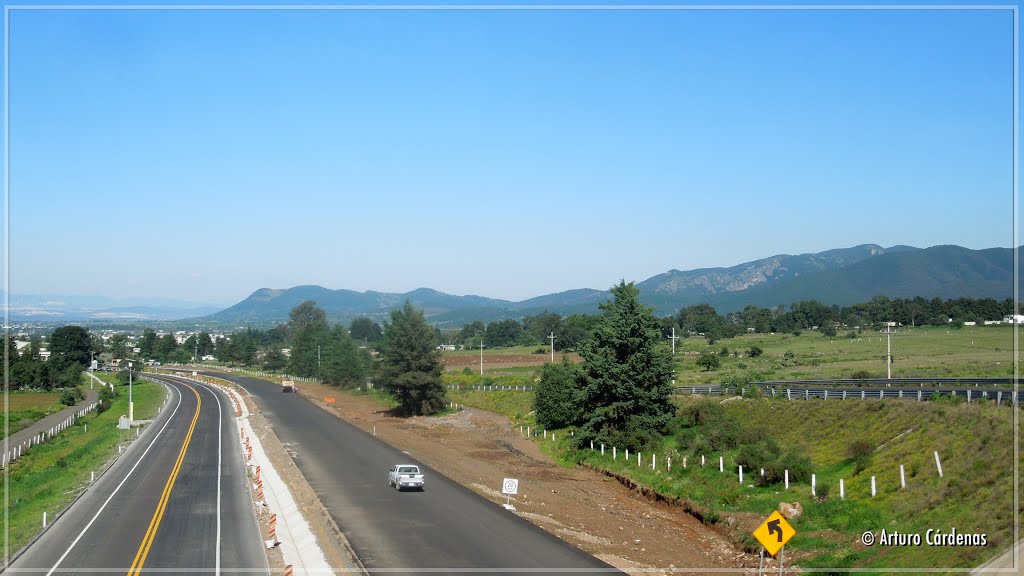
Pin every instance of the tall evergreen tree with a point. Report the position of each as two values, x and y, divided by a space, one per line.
411 363
627 376
341 363
307 327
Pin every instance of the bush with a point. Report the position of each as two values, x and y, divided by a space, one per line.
107 397
765 453
555 396
757 455
823 492
755 351
709 429
71 396
702 413
861 375
708 360
860 453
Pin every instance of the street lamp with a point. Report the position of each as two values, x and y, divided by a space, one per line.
131 405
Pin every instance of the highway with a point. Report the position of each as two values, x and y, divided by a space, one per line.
445 529
176 501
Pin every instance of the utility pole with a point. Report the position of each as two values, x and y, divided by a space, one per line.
552 338
196 359
318 357
673 338
888 343
481 356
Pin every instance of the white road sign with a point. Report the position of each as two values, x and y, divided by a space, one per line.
510 486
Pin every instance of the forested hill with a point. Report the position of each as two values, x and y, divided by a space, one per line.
842 276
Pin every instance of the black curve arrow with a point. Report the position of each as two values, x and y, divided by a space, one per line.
774 527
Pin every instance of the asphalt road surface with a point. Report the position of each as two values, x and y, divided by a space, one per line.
177 501
445 529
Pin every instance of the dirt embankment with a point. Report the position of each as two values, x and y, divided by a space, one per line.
591 510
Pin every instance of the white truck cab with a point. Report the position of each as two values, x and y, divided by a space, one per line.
403 476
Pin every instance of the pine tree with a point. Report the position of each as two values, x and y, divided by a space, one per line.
411 363
627 377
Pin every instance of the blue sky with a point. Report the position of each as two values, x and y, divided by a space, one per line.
201 155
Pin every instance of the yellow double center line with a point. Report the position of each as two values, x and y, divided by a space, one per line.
147 542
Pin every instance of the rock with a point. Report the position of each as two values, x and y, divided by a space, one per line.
790 511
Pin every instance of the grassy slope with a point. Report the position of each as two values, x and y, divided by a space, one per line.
974 442
49 476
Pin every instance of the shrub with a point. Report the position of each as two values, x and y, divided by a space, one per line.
860 453
71 396
708 428
702 413
757 455
555 395
708 360
765 453
823 492
755 351
861 375
107 397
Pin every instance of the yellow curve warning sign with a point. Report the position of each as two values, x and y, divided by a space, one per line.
774 532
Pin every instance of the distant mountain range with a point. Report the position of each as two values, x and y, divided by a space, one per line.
842 276
63 308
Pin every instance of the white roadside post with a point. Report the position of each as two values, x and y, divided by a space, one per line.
938 464
741 474
873 487
842 490
787 479
814 491
903 478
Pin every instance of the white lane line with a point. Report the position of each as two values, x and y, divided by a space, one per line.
220 452
112 494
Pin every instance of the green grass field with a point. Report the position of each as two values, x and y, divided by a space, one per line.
917 353
985 351
51 475
27 407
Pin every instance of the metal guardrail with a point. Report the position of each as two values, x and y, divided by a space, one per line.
892 381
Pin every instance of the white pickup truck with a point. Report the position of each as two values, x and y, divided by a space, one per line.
405 476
